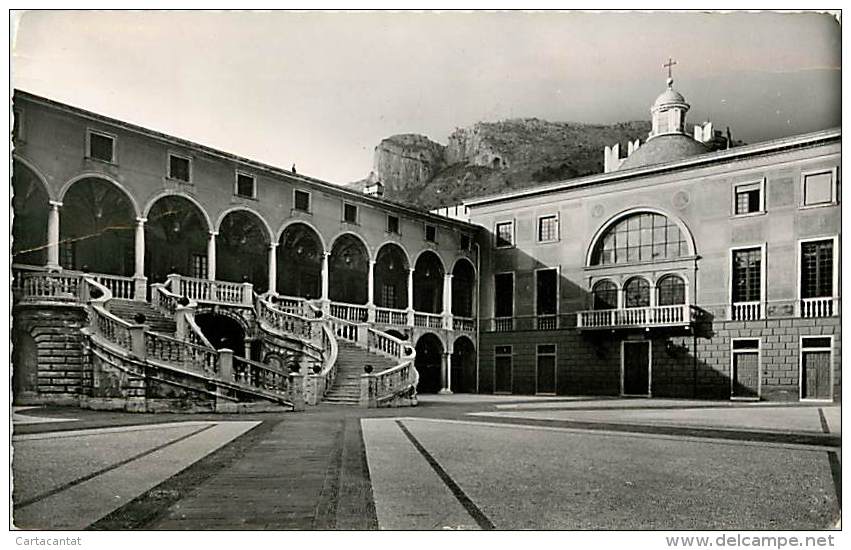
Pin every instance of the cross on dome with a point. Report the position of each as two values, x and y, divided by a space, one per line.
670 64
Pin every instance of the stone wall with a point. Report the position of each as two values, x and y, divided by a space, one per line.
685 364
58 357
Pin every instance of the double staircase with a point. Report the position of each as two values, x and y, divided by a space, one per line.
351 361
168 347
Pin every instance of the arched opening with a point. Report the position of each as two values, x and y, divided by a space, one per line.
391 277
605 295
428 283
97 228
176 236
496 163
636 292
222 332
242 250
24 365
463 366
30 205
299 258
348 270
428 363
640 237
463 288
671 290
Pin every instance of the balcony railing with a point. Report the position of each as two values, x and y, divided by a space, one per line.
746 311
636 317
389 316
818 307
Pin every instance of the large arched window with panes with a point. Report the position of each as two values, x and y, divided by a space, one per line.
640 237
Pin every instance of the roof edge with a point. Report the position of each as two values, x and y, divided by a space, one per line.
764 147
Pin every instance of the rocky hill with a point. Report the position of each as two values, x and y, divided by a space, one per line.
492 157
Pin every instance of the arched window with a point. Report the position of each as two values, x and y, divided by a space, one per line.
605 295
636 293
640 237
671 290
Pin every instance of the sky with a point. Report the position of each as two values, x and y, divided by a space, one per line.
321 89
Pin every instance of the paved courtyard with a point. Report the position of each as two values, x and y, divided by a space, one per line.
454 462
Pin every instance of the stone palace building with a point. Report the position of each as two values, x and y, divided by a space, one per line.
153 273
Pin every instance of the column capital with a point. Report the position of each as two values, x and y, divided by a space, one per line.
140 219
212 233
273 245
448 275
55 204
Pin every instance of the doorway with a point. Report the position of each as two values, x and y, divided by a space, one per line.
635 368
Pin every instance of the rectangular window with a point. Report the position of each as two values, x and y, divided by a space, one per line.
393 224
350 213
817 269
749 199
301 200
101 147
818 188
199 266
67 254
504 234
504 294
388 296
546 298
547 229
179 168
245 185
431 233
465 243
747 275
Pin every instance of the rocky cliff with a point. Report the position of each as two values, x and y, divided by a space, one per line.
493 157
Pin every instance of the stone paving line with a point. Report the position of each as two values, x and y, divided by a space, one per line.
79 505
310 471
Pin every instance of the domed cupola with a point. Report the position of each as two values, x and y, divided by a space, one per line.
669 110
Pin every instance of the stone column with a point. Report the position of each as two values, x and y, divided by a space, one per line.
211 256
139 280
53 235
370 293
447 301
445 374
273 268
411 296
325 276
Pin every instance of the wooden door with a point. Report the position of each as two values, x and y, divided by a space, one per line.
636 368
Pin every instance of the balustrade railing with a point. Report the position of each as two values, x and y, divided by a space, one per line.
257 375
205 290
503 324
389 316
746 311
819 307
349 312
200 359
163 299
343 329
290 304
546 322
289 323
636 317
428 320
120 287
53 287
464 324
